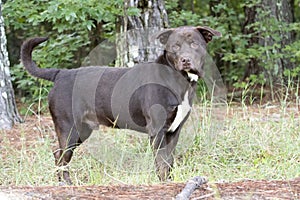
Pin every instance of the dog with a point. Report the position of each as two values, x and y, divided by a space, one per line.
153 98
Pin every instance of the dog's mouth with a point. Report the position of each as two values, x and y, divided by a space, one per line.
187 69
193 75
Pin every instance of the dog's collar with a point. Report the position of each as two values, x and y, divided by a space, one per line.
167 59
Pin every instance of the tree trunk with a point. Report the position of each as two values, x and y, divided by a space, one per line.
136 43
282 13
8 111
250 18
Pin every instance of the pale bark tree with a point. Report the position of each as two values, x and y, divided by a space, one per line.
8 111
136 43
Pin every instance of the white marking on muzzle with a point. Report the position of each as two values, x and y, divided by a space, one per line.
182 110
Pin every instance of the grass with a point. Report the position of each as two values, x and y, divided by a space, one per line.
252 142
251 147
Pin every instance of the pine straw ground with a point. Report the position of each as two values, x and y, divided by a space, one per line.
247 189
238 190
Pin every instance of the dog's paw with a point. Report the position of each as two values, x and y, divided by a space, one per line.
65 183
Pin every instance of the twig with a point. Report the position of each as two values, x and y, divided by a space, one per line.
205 196
190 186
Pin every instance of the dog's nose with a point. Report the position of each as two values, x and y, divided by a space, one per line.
185 61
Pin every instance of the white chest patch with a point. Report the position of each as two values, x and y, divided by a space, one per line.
182 110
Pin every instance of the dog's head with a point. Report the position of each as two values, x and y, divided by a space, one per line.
186 48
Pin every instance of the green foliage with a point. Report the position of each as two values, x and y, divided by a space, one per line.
71 25
293 52
61 15
75 27
37 89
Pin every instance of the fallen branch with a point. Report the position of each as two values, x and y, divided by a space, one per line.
205 196
190 187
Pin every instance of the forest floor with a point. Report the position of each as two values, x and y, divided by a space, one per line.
244 189
237 190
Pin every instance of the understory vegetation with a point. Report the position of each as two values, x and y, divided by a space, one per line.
250 143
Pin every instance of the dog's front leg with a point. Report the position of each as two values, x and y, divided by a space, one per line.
163 161
164 144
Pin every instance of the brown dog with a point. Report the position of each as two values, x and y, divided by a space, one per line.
153 98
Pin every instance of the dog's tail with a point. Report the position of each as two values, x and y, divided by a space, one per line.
29 64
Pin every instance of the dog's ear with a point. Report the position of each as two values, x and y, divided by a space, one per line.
208 33
164 35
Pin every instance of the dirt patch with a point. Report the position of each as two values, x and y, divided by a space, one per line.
237 190
28 132
261 189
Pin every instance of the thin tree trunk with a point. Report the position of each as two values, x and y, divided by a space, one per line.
250 18
8 110
135 43
285 14
280 11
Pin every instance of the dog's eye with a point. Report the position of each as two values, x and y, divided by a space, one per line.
176 47
194 45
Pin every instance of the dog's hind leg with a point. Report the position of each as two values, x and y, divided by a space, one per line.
68 140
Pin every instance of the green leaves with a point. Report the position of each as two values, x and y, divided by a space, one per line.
71 25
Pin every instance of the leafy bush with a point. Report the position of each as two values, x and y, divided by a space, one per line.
72 25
